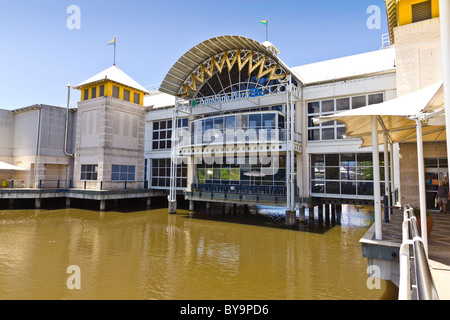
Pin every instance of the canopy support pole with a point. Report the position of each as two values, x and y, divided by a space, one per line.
376 180
444 12
422 195
387 185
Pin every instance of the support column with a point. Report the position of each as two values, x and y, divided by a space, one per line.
387 186
311 212
376 180
422 194
392 176
191 205
102 205
172 206
444 18
68 200
320 207
327 214
291 216
333 213
208 205
301 214
37 203
148 202
11 204
338 213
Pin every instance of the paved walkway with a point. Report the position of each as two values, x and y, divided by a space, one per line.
438 248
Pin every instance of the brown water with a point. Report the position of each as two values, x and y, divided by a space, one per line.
153 255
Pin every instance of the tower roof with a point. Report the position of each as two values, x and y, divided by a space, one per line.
116 75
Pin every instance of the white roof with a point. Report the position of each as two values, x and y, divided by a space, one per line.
347 67
7 166
157 99
114 74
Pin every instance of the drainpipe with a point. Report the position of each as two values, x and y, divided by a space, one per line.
38 134
67 123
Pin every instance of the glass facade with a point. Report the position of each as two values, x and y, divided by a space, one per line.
243 174
344 174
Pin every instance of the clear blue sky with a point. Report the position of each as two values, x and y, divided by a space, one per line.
40 55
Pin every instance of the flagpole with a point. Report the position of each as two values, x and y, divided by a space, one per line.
115 42
267 29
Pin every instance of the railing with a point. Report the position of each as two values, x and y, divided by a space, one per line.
235 137
70 184
416 282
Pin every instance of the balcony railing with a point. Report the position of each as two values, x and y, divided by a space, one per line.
234 137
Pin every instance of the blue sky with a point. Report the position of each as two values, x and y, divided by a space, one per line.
40 55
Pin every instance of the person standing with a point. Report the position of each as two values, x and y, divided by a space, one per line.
442 196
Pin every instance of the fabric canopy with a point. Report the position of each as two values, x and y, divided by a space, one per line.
7 166
396 117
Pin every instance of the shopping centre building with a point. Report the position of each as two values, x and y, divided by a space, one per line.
232 123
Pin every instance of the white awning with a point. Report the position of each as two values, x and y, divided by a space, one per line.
7 166
396 117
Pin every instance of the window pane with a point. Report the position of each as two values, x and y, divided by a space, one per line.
137 98
332 173
313 107
116 91
328 106
126 95
348 187
94 93
102 91
341 132
328 134
358 102
314 135
269 121
317 187
375 98
333 187
342 104
332 160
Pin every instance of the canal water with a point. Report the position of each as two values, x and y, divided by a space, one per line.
210 254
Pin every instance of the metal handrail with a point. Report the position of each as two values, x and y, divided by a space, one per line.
424 286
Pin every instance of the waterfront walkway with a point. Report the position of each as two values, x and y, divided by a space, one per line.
438 247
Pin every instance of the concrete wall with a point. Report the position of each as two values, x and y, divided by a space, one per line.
409 180
6 135
109 132
418 55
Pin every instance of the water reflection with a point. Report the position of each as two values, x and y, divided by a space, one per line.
153 255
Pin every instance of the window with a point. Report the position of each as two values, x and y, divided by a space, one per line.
116 92
86 94
421 11
89 172
334 130
123 173
160 174
126 95
94 93
346 173
102 91
137 98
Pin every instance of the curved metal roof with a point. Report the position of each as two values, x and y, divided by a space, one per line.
183 68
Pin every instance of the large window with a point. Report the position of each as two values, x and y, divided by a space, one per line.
162 133
160 176
334 130
123 173
89 172
346 173
259 174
